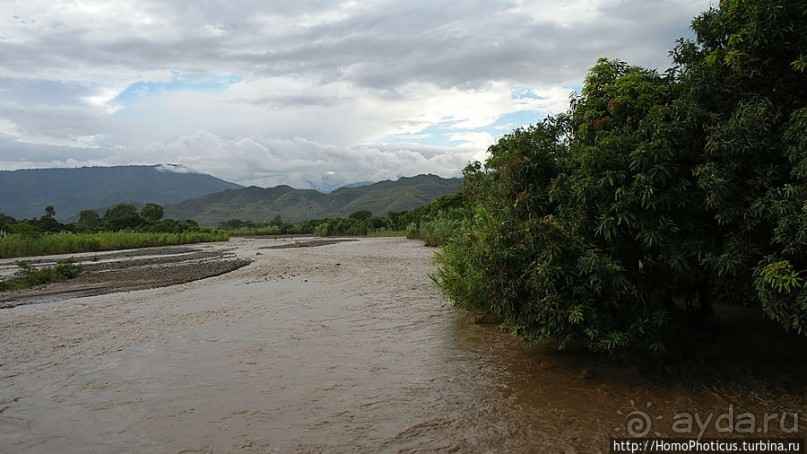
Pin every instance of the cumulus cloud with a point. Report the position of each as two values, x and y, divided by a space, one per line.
300 162
285 92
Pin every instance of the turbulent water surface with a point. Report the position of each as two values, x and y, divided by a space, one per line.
345 347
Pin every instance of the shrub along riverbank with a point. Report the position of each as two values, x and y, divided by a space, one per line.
28 276
654 196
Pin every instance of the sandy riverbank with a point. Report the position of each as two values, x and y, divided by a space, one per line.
124 271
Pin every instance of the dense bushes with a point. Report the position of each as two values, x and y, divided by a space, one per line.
653 189
438 230
433 223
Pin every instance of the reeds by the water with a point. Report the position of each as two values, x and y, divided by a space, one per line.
16 245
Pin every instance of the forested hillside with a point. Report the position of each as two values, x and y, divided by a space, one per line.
263 204
26 193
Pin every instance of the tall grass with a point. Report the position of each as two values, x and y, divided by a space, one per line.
256 231
385 233
437 231
26 246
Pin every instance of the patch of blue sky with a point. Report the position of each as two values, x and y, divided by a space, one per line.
141 90
531 94
526 93
513 120
443 135
435 135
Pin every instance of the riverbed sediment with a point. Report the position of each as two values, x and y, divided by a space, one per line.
343 347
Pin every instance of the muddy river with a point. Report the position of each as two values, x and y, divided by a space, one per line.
348 347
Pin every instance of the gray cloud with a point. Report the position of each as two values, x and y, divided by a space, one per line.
299 89
447 42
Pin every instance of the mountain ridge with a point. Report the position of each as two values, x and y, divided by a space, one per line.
25 193
262 204
208 200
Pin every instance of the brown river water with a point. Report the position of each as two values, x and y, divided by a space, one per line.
348 347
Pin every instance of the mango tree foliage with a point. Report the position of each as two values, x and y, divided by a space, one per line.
743 96
572 219
687 186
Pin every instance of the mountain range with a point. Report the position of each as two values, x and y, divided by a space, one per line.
261 204
26 193
204 198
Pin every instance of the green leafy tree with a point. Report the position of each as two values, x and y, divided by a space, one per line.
89 219
152 212
232 224
122 216
6 222
361 215
743 99
483 268
653 189
48 223
25 227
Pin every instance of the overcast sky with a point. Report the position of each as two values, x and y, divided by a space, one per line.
306 93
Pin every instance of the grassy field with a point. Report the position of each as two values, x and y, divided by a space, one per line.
68 243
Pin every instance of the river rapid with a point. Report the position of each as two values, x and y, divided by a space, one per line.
344 347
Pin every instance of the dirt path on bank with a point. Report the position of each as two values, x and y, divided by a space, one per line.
343 347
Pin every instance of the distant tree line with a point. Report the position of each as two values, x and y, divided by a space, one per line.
149 218
358 223
124 216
